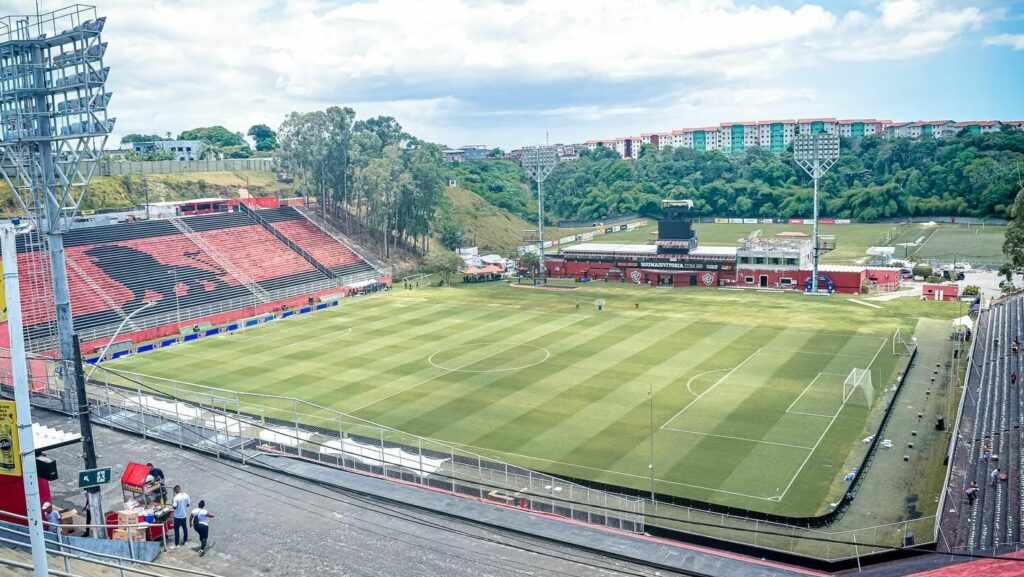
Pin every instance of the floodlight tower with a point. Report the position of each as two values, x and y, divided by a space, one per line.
816 153
53 126
538 162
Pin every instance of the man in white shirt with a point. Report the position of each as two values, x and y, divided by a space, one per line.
200 519
180 503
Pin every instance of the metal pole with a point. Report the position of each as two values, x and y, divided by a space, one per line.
540 214
88 445
103 353
650 466
814 235
19 368
51 225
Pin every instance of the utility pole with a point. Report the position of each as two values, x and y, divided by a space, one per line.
816 153
88 444
19 367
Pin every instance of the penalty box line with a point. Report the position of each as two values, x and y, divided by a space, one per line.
712 387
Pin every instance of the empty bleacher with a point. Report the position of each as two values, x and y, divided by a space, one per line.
312 239
112 270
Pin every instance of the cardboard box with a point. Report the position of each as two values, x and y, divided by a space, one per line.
67 517
121 534
127 518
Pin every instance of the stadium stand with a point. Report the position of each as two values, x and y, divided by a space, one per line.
990 431
212 261
321 246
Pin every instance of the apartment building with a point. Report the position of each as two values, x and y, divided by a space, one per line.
775 135
737 136
816 125
978 126
859 127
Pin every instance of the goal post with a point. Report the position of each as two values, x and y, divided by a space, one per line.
903 342
857 388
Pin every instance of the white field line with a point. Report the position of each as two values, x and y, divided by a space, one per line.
484 450
711 388
802 393
694 377
810 415
825 432
864 303
449 371
920 246
760 441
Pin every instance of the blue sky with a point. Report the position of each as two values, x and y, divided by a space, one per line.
505 73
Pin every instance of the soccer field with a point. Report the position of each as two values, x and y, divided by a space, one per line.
749 403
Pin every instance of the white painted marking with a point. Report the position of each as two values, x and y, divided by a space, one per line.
449 371
760 441
711 388
864 303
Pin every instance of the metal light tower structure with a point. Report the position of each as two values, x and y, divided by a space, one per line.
816 153
53 126
538 162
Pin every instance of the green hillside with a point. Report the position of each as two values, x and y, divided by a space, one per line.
125 191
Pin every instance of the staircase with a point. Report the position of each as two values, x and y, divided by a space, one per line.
98 290
368 256
221 260
309 258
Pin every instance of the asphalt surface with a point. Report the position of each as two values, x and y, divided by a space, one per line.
268 523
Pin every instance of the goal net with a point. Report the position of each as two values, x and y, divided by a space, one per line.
599 304
903 342
857 389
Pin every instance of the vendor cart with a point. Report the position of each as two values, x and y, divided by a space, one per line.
144 510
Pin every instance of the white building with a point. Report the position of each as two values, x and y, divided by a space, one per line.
775 135
183 149
816 125
858 127
737 136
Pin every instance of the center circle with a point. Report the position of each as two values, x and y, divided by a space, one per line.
488 357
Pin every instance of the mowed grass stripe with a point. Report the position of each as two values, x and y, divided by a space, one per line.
511 329
623 416
382 372
456 401
529 415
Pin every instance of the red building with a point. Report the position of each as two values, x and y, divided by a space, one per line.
940 292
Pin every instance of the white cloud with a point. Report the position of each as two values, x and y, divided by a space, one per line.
178 64
1015 41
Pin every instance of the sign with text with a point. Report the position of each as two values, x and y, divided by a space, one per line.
10 453
93 477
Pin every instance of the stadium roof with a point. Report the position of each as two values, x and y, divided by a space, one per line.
612 248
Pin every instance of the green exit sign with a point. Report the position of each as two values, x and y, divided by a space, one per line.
93 477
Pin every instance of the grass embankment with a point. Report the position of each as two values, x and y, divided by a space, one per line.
494 229
128 191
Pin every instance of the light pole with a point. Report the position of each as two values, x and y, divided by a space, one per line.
538 162
23 439
177 304
650 466
815 153
103 353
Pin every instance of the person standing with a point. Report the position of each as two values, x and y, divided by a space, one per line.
200 521
52 518
180 503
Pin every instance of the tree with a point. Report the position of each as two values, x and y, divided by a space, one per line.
1013 242
214 136
443 263
266 139
130 138
530 261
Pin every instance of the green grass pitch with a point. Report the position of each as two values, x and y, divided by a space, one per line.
748 404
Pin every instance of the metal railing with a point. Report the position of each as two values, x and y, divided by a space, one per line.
222 260
334 233
56 546
246 426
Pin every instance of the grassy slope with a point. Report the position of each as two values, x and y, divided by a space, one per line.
112 192
494 229
583 411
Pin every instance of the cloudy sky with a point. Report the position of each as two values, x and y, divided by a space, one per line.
505 73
